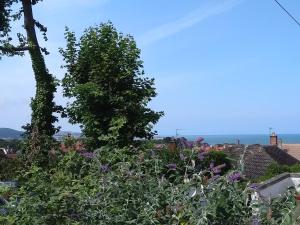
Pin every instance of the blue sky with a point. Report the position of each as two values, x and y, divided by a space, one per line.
221 66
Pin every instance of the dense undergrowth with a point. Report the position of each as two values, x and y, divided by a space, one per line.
9 168
134 186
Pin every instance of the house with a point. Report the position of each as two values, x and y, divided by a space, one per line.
3 151
292 149
257 158
278 185
7 153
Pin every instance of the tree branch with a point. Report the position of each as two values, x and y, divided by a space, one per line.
14 49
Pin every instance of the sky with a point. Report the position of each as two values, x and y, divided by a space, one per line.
221 66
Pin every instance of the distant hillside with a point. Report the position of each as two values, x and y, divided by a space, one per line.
7 133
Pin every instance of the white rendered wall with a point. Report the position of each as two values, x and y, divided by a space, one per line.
296 181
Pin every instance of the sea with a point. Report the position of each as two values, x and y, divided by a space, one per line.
246 139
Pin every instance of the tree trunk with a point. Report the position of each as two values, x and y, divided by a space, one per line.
42 105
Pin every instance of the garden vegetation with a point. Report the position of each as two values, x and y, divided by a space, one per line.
107 177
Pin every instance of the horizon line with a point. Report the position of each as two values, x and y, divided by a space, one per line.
226 134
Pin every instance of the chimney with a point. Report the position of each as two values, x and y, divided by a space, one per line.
273 139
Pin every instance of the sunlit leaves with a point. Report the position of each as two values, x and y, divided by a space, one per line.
105 76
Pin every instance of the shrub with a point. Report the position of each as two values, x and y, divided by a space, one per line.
275 169
280 210
215 157
129 186
11 144
10 168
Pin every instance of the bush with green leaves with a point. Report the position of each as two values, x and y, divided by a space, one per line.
13 144
280 210
129 186
275 169
10 168
85 190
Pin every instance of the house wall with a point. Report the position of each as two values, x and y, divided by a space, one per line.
296 182
278 185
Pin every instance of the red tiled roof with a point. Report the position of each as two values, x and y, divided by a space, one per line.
292 149
258 158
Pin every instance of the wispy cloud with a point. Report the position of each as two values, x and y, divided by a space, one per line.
213 8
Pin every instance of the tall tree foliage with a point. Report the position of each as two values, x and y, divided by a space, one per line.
42 105
105 77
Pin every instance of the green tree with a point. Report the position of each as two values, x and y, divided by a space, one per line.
105 77
42 105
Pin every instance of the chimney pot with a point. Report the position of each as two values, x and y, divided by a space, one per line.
273 139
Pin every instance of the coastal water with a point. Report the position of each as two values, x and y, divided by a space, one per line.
245 138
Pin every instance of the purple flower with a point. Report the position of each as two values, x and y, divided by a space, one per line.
255 221
189 144
172 166
88 155
199 140
234 177
201 156
253 186
211 165
215 177
183 142
104 168
218 169
182 156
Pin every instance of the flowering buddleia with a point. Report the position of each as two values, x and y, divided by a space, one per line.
199 141
104 168
234 177
172 166
201 155
88 155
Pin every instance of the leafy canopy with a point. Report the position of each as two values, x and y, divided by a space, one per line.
105 77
